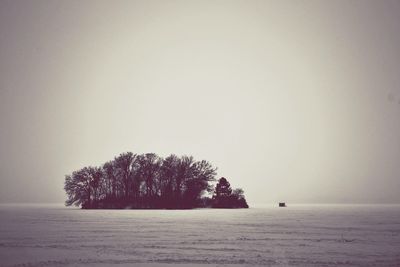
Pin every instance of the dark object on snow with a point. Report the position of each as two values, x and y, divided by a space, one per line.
282 204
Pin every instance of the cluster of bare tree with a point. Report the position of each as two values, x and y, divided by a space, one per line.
141 181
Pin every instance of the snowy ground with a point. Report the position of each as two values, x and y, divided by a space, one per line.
300 235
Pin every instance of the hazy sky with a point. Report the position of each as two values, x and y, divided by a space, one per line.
292 100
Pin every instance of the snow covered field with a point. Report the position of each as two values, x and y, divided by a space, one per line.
299 235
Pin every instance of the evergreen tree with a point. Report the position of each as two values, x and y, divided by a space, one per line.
224 198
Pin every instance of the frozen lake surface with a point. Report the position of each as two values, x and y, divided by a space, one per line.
299 235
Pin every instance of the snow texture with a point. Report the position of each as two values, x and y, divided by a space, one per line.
299 235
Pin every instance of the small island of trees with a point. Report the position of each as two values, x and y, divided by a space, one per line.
147 181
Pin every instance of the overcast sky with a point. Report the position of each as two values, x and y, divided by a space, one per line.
295 101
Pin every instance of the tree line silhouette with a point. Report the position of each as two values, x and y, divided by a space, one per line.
149 181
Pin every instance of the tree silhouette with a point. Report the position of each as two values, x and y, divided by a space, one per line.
168 175
80 186
197 182
224 198
110 179
149 181
223 188
123 164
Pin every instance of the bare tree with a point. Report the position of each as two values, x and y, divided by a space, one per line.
149 181
123 165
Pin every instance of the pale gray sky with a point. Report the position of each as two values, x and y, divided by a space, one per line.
292 100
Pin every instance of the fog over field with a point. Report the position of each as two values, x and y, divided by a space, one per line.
292 100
